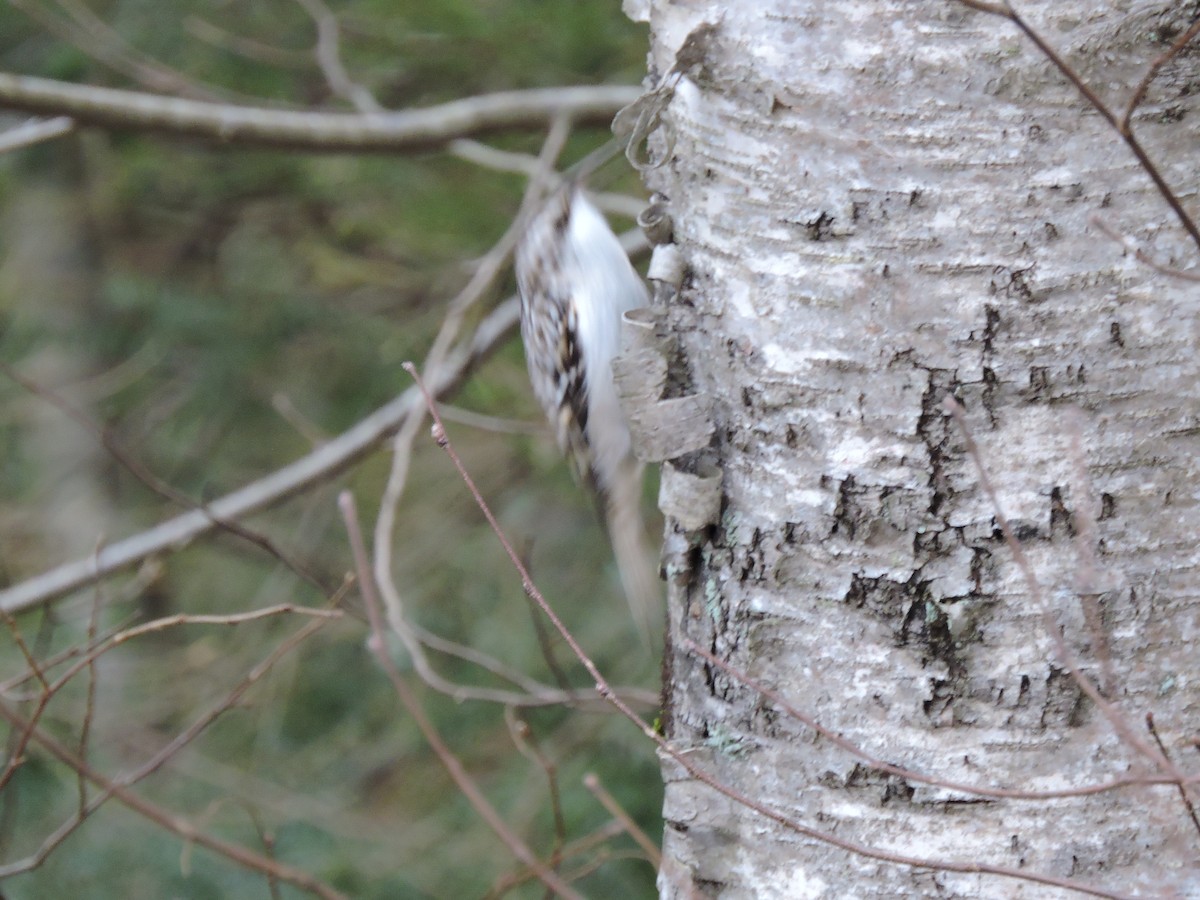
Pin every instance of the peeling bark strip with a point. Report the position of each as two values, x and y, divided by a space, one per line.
878 205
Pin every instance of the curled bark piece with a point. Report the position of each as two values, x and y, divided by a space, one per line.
691 499
655 221
661 429
666 265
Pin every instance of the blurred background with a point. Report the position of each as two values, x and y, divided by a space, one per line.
223 310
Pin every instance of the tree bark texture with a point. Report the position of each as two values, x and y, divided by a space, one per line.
881 204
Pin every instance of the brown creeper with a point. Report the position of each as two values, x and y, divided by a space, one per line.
575 283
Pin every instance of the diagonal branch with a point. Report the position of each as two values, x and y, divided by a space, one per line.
320 465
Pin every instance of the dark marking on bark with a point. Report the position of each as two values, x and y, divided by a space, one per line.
765 721
990 327
1024 531
1061 519
1039 383
911 614
980 558
1114 334
1065 703
933 428
753 566
848 514
987 396
1018 283
1108 507
942 699
890 788
820 228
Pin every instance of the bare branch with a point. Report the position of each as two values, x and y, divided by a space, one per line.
329 58
34 132
407 130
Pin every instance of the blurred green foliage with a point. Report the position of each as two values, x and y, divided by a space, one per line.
218 309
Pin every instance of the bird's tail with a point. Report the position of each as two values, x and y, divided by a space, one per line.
635 561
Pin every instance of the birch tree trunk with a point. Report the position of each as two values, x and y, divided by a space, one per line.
879 205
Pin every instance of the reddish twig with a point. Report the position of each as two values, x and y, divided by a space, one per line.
887 768
165 819
1141 255
408 699
522 738
605 690
1120 124
592 782
1066 656
1086 541
1152 71
1183 795
575 848
19 738
89 705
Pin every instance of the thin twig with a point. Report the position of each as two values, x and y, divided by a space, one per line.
135 467
1183 795
522 738
89 705
91 35
1065 654
408 699
320 465
1141 255
1086 542
484 276
1120 124
329 58
235 694
1152 71
181 619
592 782
575 848
681 758
19 738
913 775
165 819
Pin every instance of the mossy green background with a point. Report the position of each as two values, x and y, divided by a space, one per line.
219 308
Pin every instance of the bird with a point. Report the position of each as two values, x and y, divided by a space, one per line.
575 282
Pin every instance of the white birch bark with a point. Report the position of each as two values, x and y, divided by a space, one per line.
879 204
